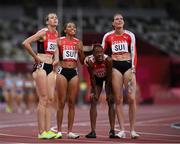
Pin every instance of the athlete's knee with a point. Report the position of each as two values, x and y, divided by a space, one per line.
51 100
119 100
94 100
110 101
43 95
94 103
71 104
43 101
131 100
131 90
61 105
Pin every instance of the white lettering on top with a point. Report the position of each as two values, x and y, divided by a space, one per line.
119 46
51 46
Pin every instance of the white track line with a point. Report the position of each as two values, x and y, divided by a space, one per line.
158 119
87 123
156 134
11 135
66 139
173 126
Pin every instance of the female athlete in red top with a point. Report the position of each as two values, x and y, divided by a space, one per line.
120 45
70 49
43 74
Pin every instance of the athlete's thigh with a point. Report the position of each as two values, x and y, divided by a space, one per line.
20 96
109 92
99 89
73 87
41 82
128 75
117 82
130 83
51 83
61 87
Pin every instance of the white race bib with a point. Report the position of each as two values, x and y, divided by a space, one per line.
120 47
70 54
52 45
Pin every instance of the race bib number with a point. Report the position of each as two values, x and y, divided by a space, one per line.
59 69
51 46
40 66
70 54
120 47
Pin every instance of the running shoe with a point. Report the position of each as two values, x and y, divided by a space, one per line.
91 135
58 135
112 134
8 109
72 135
43 135
51 134
121 134
134 135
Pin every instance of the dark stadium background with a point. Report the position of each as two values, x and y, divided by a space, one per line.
156 24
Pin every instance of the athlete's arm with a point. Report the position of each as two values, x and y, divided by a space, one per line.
109 74
56 55
106 46
133 53
92 78
80 52
27 44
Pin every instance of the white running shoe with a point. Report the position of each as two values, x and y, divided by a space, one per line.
58 135
121 134
72 135
134 135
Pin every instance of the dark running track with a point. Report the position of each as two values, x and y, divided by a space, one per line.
153 124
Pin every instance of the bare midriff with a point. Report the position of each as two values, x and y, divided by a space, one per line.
68 64
121 56
46 58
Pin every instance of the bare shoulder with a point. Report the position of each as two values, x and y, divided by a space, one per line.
42 31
